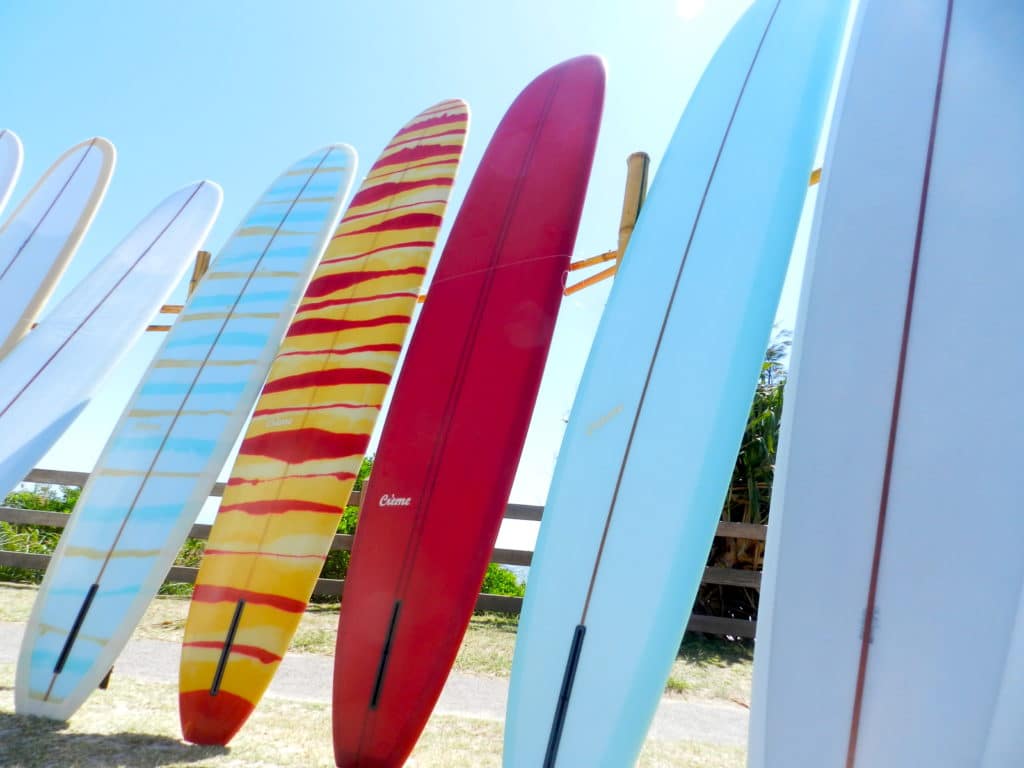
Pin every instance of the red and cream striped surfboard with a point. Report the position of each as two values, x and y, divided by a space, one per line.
311 426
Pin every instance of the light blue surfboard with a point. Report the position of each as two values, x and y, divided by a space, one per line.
162 459
660 412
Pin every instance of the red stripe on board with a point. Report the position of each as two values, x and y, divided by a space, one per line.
278 507
256 553
452 139
348 351
431 122
333 377
328 284
297 446
302 408
382 191
419 152
417 156
254 651
407 221
314 306
309 476
314 325
212 593
393 209
381 249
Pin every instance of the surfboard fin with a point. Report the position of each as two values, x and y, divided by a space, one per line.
385 652
225 652
563 696
75 629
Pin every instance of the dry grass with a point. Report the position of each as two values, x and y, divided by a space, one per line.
135 724
706 669
712 669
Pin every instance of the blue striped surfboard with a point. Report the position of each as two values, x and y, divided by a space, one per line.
661 408
162 459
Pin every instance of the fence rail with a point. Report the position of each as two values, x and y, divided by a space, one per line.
732 577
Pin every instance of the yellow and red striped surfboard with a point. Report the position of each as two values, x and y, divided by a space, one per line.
311 427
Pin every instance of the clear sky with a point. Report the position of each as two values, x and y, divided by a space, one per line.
237 91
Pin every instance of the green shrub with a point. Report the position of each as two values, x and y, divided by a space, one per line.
40 540
501 581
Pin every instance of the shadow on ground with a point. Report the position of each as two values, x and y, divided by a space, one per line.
705 650
37 742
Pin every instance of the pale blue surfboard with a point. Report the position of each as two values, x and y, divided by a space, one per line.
162 459
661 408
10 164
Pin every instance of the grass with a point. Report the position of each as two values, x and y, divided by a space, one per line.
706 669
135 725
712 669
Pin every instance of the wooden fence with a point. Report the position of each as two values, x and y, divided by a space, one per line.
333 587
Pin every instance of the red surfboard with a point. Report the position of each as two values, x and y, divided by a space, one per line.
459 416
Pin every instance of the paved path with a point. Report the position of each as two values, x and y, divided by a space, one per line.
308 677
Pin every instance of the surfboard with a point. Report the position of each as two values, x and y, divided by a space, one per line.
886 634
51 377
163 456
10 164
39 239
660 411
311 426
458 418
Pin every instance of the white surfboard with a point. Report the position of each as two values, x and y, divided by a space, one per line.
39 239
47 380
10 164
888 631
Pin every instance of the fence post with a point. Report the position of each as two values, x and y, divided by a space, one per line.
202 264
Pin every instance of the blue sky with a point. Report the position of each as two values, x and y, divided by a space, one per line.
235 92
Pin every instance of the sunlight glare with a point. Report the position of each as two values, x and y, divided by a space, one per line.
689 10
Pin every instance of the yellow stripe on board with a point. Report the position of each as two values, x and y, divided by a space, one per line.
110 472
145 413
244 275
199 316
271 232
165 363
92 553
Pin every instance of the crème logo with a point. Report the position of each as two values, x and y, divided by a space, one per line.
387 500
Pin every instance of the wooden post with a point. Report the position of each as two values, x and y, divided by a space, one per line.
637 165
202 264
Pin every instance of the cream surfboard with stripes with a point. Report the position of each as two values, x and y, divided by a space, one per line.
44 231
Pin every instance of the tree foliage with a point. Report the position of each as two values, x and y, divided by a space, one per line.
749 494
